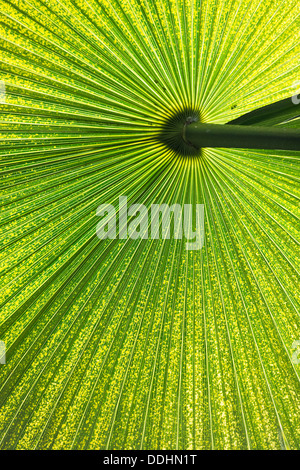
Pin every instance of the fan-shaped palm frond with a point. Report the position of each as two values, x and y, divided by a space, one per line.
141 343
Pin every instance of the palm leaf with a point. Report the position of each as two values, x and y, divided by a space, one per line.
142 344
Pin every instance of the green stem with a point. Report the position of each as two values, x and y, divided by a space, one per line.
199 135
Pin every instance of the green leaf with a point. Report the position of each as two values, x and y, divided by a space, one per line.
285 113
143 344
